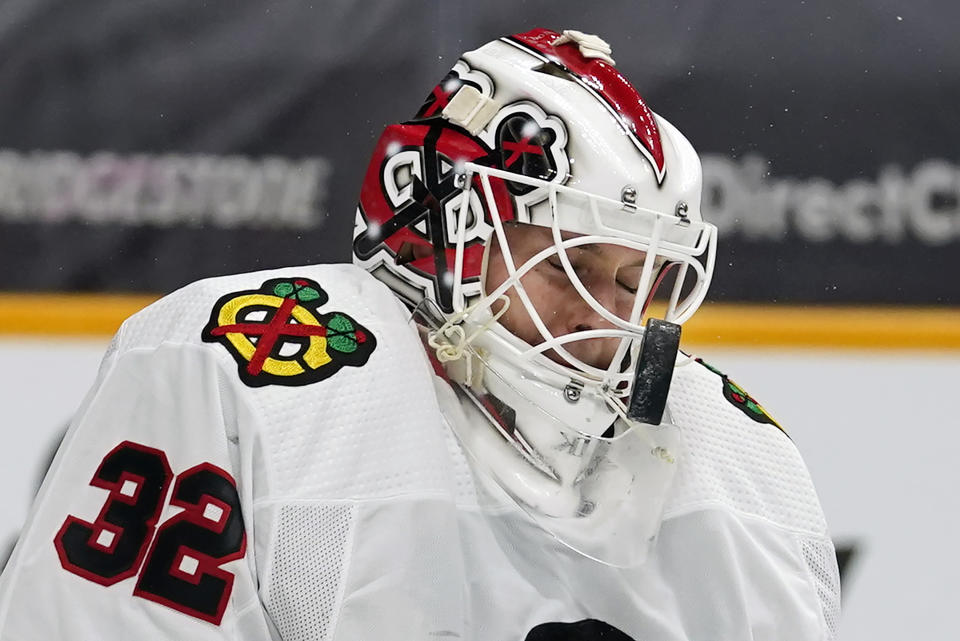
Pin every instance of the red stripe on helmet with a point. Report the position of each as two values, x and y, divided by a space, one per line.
607 83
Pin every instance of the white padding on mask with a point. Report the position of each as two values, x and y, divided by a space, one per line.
470 109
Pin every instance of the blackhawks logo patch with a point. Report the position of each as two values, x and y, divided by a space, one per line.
278 337
740 399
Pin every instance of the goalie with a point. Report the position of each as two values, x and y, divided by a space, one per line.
286 455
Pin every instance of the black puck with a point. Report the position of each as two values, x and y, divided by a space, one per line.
654 372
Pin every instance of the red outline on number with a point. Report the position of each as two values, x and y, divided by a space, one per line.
206 564
115 495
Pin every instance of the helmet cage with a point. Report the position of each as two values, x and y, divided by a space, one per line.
666 239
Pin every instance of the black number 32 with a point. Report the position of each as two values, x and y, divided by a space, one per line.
181 559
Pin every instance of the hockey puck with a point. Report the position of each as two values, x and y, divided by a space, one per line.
651 380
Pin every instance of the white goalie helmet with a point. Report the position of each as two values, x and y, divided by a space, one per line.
540 130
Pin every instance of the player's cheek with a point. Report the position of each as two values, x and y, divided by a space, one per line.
624 304
517 320
549 288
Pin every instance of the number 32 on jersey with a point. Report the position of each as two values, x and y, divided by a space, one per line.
176 564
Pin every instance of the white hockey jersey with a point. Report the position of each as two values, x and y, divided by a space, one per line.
263 457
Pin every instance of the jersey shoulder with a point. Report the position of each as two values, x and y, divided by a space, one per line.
202 312
252 353
320 367
738 457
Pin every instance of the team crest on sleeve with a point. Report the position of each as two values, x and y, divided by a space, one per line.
278 336
740 399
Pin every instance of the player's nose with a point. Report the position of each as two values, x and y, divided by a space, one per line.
578 315
581 315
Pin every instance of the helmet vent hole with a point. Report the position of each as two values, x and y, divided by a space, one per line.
555 70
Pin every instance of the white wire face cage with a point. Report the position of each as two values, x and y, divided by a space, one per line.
674 240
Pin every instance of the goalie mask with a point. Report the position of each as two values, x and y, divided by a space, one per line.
535 153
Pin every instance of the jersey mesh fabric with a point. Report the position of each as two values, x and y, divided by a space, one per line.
365 452
308 561
365 432
176 318
822 561
746 466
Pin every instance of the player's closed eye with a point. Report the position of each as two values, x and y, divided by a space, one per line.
555 263
580 269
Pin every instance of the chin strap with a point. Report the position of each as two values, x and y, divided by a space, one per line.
452 344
